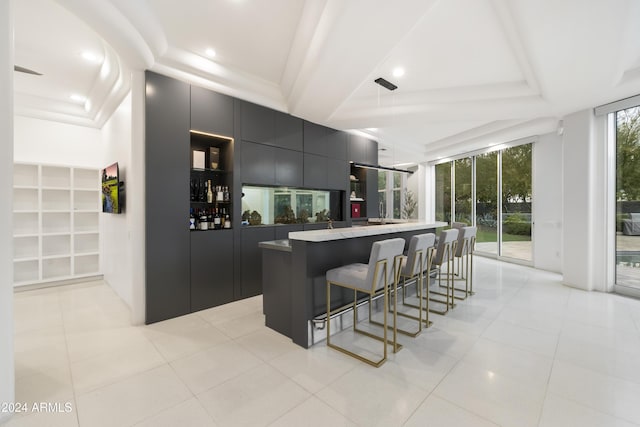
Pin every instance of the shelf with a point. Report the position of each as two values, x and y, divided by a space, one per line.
26 235
56 200
55 268
83 233
86 200
86 222
56 188
86 179
86 264
58 245
25 247
25 271
58 256
219 171
25 223
25 175
55 222
356 199
25 199
85 243
56 177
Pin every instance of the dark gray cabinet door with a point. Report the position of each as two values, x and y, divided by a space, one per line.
372 195
258 124
258 164
337 144
251 282
337 174
211 268
167 198
357 149
288 132
211 112
372 152
289 166
315 171
315 138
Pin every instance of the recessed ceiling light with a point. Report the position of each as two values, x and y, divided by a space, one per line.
90 56
78 98
398 72
210 53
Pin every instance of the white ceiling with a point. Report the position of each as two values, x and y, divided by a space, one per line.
478 72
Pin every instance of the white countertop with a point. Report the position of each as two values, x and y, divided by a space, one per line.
351 232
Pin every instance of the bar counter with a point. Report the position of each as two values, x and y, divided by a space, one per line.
293 271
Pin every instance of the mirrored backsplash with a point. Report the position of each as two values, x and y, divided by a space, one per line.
289 205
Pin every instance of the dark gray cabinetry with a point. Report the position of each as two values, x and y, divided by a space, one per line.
167 198
251 280
337 174
258 164
337 144
211 268
315 139
258 124
211 112
288 165
288 132
357 149
315 171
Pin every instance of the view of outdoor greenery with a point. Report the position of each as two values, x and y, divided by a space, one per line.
628 197
515 202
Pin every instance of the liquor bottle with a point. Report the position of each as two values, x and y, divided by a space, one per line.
220 195
210 219
192 186
226 193
192 220
217 221
209 192
204 224
227 220
222 218
203 192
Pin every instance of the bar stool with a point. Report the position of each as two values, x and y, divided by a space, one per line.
444 254
378 274
414 266
464 254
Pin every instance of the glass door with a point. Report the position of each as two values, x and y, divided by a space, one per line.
516 203
487 202
443 193
628 197
462 193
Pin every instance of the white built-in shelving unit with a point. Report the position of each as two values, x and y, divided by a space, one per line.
56 230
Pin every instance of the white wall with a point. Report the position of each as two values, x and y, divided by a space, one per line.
44 141
547 202
585 201
7 373
115 229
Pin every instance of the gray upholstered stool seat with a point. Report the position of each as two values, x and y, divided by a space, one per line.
373 278
443 257
414 266
464 253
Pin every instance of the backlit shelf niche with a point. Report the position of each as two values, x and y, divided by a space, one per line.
56 228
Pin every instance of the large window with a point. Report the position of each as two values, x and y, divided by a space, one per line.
391 193
493 192
628 197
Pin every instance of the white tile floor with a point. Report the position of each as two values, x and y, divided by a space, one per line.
524 351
